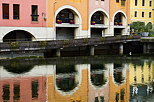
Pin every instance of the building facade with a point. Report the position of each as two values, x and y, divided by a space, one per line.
142 10
61 20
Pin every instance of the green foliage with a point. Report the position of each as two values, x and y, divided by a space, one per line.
141 27
14 45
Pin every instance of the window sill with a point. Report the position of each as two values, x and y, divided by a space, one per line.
35 22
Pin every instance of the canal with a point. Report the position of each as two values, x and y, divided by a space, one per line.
78 79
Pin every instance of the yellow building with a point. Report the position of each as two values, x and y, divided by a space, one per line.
142 10
141 74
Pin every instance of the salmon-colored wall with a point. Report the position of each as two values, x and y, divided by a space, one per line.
25 89
80 5
94 4
25 13
114 7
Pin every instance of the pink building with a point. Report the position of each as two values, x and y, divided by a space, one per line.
27 18
98 18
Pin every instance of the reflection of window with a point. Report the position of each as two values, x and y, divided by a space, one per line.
123 2
117 97
16 92
15 11
117 1
34 87
96 99
150 3
143 2
34 13
6 92
5 11
122 94
102 99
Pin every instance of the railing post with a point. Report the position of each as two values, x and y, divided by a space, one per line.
58 52
92 50
121 48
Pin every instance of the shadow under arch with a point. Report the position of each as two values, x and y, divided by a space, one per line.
16 67
66 78
18 35
97 75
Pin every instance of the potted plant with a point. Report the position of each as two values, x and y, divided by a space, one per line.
59 21
115 23
120 23
93 23
71 21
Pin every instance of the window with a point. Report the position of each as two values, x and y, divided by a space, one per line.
5 11
34 13
143 2
117 1
135 2
15 11
34 87
142 14
122 2
149 14
150 3
135 14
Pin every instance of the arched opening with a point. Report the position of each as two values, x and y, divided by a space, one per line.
119 24
98 75
67 24
66 77
118 73
18 35
99 24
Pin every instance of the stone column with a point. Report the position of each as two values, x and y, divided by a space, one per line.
144 48
92 51
121 49
58 52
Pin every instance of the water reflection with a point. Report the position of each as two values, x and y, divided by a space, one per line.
66 77
89 82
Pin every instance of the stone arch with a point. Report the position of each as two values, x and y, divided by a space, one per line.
18 35
103 28
72 27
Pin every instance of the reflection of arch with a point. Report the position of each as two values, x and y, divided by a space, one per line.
18 35
18 68
99 23
67 79
98 75
118 74
68 23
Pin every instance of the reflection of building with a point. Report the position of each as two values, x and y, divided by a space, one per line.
141 81
141 73
79 92
119 83
68 83
23 89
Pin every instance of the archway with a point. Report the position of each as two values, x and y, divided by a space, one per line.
66 77
120 24
99 24
98 75
18 35
67 24
118 74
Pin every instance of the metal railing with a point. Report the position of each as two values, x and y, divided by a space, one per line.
55 44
